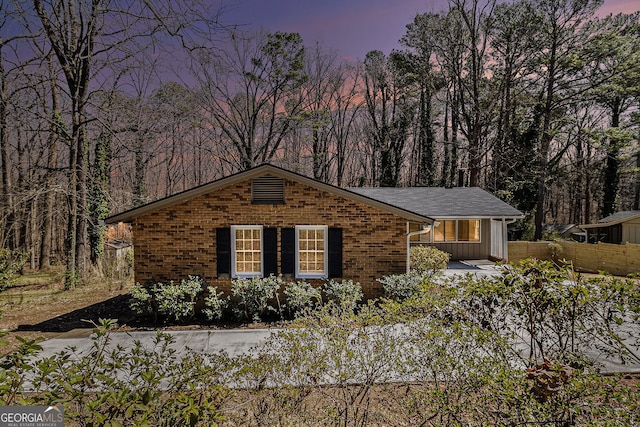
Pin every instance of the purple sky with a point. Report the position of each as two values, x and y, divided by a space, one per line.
350 27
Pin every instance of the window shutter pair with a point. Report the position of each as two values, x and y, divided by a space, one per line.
270 250
288 251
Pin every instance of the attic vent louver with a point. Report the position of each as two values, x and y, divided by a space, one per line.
267 190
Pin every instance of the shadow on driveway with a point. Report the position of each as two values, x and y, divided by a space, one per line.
113 308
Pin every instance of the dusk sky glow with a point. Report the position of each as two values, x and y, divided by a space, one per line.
350 27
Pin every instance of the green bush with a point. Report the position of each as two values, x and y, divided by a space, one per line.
167 301
215 304
345 293
427 260
153 386
141 301
254 297
11 262
301 297
401 286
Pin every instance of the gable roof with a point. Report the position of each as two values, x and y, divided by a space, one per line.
443 203
616 218
256 172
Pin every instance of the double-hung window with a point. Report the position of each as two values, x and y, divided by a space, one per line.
246 251
311 251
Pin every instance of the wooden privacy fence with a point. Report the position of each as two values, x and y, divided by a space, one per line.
615 259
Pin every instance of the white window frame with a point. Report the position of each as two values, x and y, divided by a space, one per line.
442 220
325 273
234 272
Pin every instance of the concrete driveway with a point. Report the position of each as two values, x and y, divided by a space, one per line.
478 268
233 342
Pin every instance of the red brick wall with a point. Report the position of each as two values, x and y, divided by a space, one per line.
178 241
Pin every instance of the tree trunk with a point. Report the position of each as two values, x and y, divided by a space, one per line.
7 213
545 144
611 178
636 198
52 162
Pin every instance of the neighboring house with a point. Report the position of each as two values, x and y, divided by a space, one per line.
267 220
116 249
566 231
621 227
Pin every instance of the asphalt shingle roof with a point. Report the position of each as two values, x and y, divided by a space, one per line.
438 202
620 216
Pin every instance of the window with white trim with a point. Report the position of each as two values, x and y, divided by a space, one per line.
460 231
311 251
246 252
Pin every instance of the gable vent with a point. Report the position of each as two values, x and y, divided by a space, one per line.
267 190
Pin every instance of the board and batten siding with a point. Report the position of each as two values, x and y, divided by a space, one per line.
631 231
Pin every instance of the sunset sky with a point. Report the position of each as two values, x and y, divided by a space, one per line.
350 27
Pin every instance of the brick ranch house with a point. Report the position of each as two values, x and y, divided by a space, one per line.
268 220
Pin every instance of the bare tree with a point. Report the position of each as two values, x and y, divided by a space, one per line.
251 91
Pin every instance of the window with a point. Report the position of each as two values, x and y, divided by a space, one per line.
246 253
462 230
311 251
445 231
469 230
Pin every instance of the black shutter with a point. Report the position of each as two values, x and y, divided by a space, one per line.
335 252
288 251
223 252
270 251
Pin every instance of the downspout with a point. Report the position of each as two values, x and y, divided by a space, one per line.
426 228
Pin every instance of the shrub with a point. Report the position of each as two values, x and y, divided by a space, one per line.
169 301
254 296
427 260
215 304
177 301
111 387
345 293
140 301
401 286
301 296
11 262
555 250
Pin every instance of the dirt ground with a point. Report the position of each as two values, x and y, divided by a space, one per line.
38 306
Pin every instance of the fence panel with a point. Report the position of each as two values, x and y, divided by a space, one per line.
614 259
